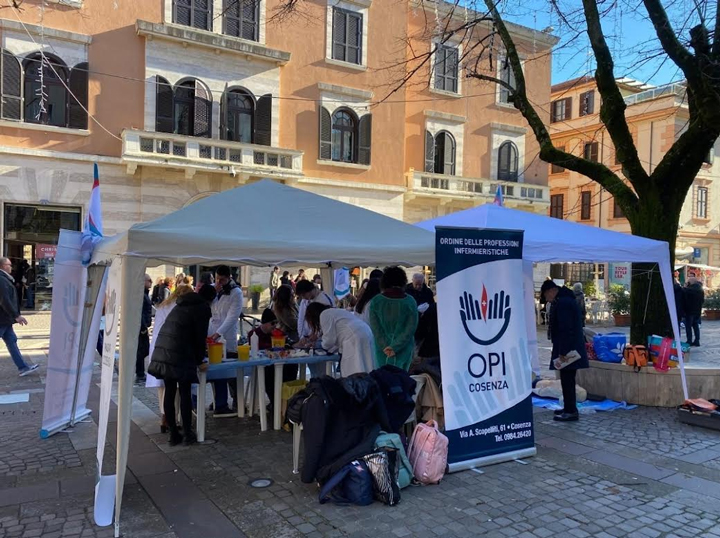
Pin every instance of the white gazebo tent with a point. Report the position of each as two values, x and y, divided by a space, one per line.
548 239
262 224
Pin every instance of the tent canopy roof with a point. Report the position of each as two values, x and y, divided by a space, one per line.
554 240
268 223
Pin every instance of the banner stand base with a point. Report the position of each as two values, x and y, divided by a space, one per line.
492 460
44 434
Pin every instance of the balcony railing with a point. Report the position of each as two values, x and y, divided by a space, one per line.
462 187
675 88
163 149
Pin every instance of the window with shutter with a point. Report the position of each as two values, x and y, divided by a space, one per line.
618 213
347 36
557 206
508 162
585 198
241 18
54 78
429 152
344 136
184 108
11 81
556 168
77 105
444 153
202 113
263 120
568 108
701 202
325 134
508 76
365 139
194 13
446 68
587 103
590 151
164 118
237 116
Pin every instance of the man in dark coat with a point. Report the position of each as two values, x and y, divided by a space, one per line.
179 351
419 291
9 315
143 347
694 300
566 333
679 293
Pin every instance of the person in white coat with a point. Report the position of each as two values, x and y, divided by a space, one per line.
345 333
226 310
162 311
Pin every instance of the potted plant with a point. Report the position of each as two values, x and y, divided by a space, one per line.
255 291
712 305
619 302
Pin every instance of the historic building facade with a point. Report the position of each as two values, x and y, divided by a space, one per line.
657 116
179 99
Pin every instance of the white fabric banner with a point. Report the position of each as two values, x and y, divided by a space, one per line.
485 362
341 287
105 485
69 284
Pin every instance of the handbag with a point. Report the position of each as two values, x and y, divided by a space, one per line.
352 484
384 470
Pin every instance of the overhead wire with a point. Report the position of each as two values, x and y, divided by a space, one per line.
61 79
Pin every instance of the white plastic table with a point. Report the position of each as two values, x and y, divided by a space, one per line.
236 369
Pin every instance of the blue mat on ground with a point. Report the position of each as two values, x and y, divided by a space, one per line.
605 405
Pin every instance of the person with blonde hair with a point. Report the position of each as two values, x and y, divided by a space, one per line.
161 313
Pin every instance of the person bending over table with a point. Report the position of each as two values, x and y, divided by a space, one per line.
264 333
345 333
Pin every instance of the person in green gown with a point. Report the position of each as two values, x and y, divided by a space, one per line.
393 320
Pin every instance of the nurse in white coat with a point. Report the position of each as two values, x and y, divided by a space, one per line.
345 333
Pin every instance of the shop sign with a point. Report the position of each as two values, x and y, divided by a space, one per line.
43 251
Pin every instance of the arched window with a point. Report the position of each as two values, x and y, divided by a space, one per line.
192 108
508 162
344 136
444 154
238 116
52 83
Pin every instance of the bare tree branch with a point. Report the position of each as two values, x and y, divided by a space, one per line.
612 109
669 41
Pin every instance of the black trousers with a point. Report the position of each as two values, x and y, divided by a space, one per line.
143 350
567 382
171 388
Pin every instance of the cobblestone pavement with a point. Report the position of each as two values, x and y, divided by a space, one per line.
627 473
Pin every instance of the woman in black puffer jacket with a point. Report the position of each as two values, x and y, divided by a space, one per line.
179 351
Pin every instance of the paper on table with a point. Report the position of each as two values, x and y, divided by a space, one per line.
14 398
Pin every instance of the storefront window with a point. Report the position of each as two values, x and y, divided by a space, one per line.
30 236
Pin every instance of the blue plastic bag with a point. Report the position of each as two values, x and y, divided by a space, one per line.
609 347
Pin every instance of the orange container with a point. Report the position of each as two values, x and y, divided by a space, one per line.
277 339
244 352
215 353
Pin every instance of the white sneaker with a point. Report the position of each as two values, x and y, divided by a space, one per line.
29 370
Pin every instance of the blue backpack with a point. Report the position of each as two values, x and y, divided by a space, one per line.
353 484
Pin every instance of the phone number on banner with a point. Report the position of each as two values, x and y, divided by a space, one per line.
502 432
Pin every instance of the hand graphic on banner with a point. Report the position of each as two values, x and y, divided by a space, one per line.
476 315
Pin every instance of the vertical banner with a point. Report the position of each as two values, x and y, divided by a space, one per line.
69 285
105 485
484 354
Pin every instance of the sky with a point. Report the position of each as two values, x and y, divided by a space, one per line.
628 31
